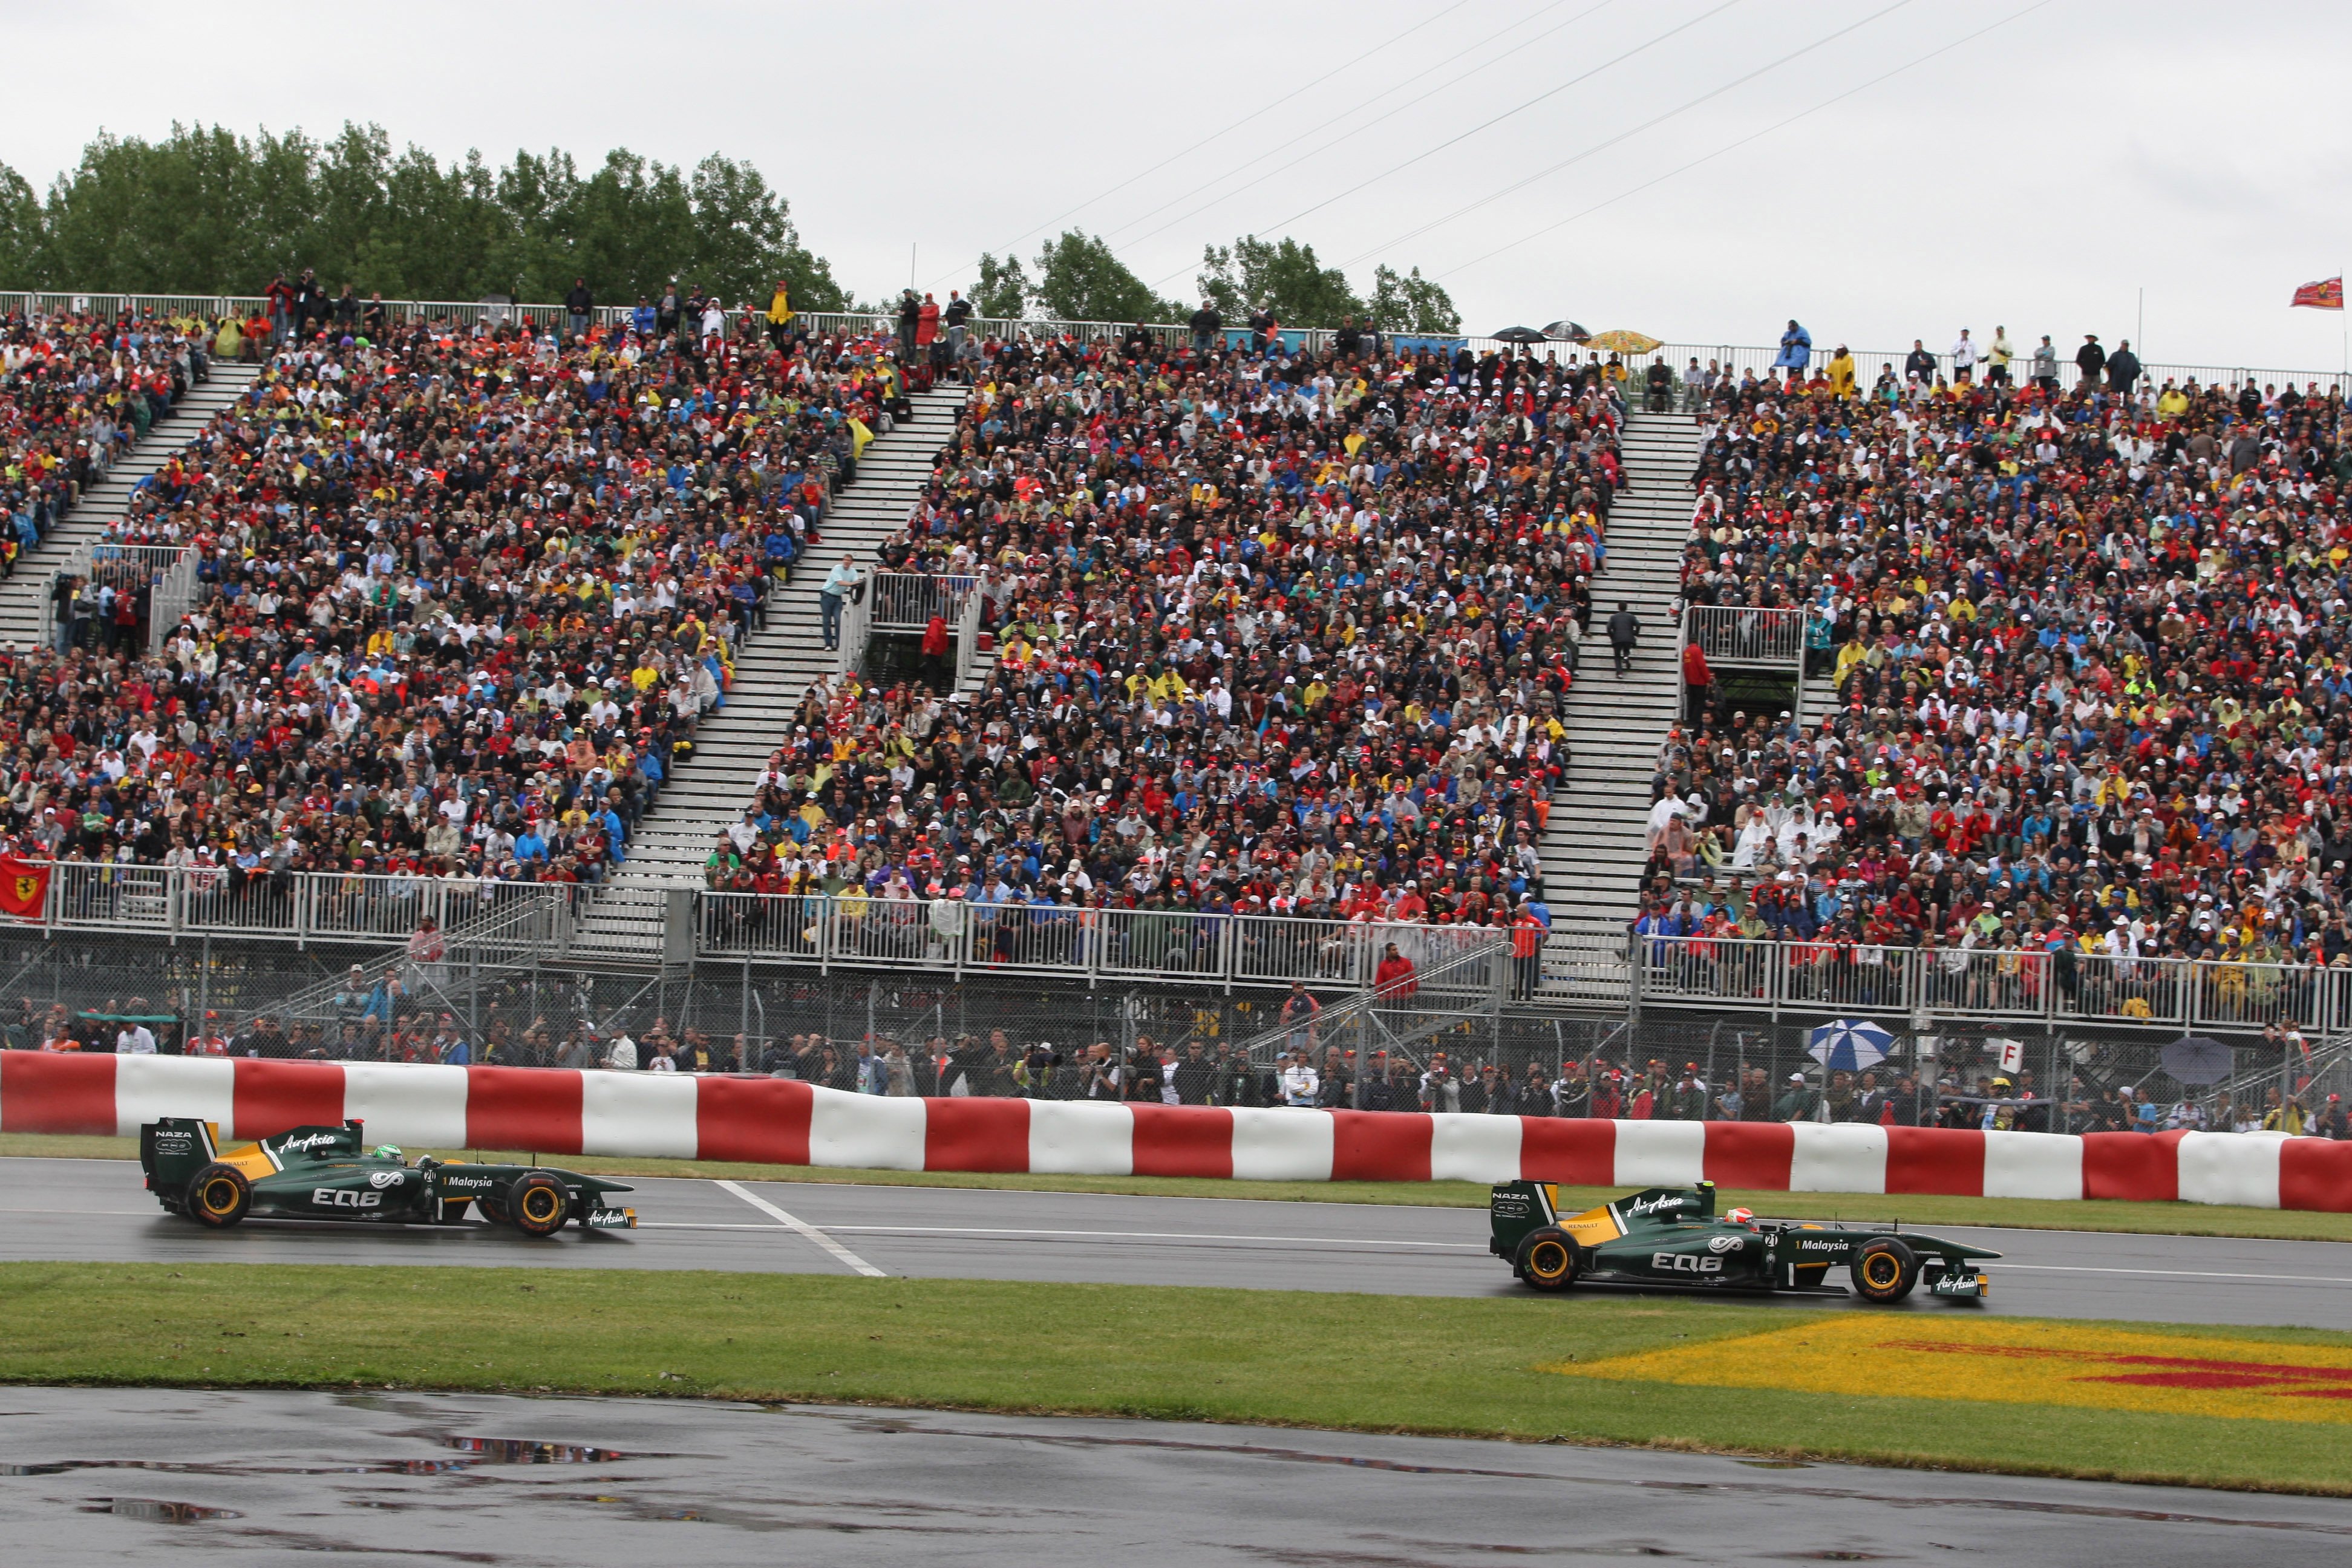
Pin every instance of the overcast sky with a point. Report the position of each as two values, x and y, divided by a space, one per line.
2038 176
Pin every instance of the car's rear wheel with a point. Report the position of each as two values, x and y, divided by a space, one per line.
540 1203
219 1197
1549 1258
1884 1270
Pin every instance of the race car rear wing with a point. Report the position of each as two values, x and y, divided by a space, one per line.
173 1149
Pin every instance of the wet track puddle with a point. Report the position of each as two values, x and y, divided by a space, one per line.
155 1511
477 1452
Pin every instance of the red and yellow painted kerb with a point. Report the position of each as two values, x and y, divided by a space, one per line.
2011 1362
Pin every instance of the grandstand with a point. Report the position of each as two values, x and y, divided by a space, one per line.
2029 696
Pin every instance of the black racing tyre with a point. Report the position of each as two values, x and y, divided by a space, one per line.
1549 1258
219 1195
539 1203
493 1209
1884 1270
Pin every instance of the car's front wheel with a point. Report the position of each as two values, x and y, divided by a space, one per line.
219 1197
1549 1258
1884 1270
540 1203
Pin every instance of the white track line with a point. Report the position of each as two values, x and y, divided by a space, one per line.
840 1254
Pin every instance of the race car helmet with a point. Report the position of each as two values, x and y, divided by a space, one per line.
387 1151
1741 1217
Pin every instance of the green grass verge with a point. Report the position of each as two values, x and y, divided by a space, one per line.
2023 1214
1351 1363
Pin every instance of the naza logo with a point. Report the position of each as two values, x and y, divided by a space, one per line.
385 1178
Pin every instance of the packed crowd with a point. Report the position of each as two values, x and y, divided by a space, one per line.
460 600
75 391
1276 633
2087 638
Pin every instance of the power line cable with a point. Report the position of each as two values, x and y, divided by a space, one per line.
1218 135
1649 124
1487 124
1752 136
1381 118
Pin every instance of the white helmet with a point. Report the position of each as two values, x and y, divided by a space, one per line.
1740 1216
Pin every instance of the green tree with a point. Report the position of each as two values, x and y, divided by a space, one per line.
1079 279
1412 303
1003 289
1285 274
205 211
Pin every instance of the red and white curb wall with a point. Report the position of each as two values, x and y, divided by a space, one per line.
777 1121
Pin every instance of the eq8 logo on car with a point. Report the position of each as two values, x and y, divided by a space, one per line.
1685 1263
345 1198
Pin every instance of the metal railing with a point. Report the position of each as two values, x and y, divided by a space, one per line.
906 601
127 569
1736 358
953 936
297 907
1745 635
1986 983
968 635
856 627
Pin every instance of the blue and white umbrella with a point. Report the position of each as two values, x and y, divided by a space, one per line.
1848 1045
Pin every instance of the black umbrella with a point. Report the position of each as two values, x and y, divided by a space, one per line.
1572 330
2196 1059
1520 335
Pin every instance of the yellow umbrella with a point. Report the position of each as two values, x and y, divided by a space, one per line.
1620 341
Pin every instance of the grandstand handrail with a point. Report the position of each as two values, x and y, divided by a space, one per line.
1172 946
1468 980
1746 634
2015 985
1738 358
303 908
906 601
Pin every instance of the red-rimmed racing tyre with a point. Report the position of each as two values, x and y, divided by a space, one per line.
1549 1258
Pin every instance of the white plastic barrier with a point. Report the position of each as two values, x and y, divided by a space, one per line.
1661 1154
877 1131
1838 1157
407 1102
1081 1138
2033 1165
650 1113
2231 1168
146 1088
1474 1148
1282 1145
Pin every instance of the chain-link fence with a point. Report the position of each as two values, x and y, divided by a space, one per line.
918 1032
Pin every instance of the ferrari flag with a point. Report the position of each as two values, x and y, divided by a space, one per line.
2327 294
23 887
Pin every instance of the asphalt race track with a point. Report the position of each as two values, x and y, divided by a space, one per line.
97 1211
92 1477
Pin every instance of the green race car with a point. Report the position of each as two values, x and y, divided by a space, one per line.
327 1173
1672 1235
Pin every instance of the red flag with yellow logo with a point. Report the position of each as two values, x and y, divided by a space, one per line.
2327 294
23 887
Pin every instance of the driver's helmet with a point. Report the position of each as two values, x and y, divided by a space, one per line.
387 1151
1741 1217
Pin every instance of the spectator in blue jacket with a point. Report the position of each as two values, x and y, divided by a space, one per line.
1796 348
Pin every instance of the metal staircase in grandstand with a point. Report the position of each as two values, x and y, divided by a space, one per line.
24 594
626 918
1592 845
